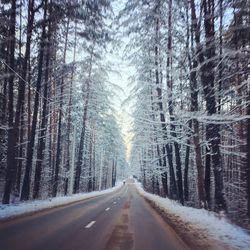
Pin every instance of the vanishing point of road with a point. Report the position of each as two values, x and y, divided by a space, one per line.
118 220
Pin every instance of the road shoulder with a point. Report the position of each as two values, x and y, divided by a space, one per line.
16 211
193 239
198 228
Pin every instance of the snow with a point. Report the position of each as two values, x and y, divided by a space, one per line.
13 210
200 222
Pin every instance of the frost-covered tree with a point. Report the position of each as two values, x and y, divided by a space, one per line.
191 90
56 94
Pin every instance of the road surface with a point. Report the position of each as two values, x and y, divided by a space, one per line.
119 220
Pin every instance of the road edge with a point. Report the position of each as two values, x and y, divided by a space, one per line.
193 241
47 209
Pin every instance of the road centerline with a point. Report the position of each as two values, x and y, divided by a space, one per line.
90 224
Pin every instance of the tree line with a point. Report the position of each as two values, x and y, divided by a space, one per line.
58 131
191 101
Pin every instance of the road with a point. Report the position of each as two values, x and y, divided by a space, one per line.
119 220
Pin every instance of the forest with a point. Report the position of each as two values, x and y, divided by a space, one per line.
59 134
191 132
189 101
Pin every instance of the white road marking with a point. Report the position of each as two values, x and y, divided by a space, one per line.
107 209
114 202
90 224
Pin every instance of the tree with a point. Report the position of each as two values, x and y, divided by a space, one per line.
96 33
26 182
11 171
42 134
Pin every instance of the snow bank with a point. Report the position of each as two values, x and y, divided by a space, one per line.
200 222
12 210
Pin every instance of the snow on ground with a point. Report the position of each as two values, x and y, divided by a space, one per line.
201 223
12 210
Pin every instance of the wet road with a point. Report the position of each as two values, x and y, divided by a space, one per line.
119 220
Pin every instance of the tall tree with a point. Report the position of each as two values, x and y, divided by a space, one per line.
43 127
11 170
30 150
193 65
58 150
209 91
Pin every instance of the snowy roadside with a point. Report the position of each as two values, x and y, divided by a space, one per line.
199 228
18 209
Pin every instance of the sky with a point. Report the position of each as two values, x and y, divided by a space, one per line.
122 71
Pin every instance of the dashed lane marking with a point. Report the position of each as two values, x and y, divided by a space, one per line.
107 209
90 224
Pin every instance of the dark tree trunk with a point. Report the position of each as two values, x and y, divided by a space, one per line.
11 170
69 117
81 146
173 188
164 179
58 151
171 108
193 64
213 130
43 128
112 174
207 182
186 168
248 157
186 164
207 79
94 176
115 172
90 173
58 148
114 165
26 182
29 102
22 80
20 155
53 126
161 156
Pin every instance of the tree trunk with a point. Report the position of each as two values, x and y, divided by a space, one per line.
10 171
69 117
248 157
186 168
43 128
22 79
85 111
160 155
26 182
20 155
193 64
94 167
90 173
58 151
173 188
209 90
171 108
207 79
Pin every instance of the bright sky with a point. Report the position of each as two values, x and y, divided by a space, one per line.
120 76
122 70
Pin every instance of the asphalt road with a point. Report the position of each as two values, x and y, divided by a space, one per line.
119 220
